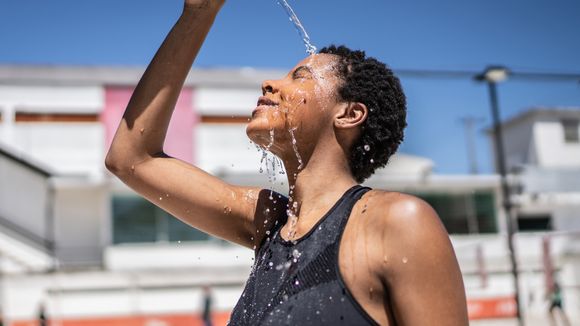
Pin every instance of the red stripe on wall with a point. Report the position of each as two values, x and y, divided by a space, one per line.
503 307
218 319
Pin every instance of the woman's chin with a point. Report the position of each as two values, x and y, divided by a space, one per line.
258 133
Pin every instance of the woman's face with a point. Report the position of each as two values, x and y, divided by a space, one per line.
298 106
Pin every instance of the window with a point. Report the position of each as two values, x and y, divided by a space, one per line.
571 130
135 220
464 213
534 223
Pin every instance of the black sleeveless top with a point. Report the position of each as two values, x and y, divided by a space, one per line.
298 282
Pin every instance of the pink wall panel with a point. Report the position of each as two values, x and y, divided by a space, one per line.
179 140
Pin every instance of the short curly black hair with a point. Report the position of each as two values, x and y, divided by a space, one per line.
369 81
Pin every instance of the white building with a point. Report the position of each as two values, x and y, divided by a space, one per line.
77 241
543 152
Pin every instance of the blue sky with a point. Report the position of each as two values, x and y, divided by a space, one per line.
524 35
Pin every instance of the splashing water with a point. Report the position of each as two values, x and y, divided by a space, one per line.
295 147
270 163
310 49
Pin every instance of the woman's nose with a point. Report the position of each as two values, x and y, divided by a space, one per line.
267 87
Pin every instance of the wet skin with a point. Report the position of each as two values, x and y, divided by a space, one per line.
395 255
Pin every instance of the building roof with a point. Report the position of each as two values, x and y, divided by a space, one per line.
129 76
539 113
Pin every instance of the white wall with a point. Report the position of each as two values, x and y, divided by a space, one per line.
109 294
23 196
68 148
518 141
225 101
225 147
552 151
80 212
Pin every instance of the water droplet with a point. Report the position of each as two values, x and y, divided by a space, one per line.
367 148
296 282
160 198
270 264
372 161
132 168
227 210
405 260
268 232
142 130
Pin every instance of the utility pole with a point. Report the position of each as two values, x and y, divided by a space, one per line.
493 75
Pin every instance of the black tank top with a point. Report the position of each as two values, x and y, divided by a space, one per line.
298 282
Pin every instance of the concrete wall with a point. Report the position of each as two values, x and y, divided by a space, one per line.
552 151
88 295
68 148
226 101
518 142
23 196
81 212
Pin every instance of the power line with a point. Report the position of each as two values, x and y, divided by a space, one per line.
468 74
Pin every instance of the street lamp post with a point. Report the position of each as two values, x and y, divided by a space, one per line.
493 75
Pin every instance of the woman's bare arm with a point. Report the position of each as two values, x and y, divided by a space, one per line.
423 277
136 155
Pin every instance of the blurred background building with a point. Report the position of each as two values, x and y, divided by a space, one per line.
79 245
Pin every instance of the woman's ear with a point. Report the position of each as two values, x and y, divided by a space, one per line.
350 115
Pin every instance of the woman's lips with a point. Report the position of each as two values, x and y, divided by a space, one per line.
263 100
264 104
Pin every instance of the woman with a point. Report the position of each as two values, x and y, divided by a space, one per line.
333 252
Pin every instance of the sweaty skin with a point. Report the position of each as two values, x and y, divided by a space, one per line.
395 255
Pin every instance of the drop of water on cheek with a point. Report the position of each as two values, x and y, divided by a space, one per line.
405 260
142 130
